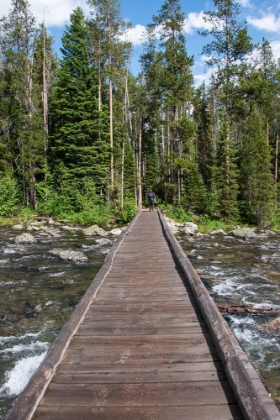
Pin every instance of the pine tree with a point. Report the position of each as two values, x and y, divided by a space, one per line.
112 55
257 180
23 138
167 73
230 47
204 141
224 186
80 140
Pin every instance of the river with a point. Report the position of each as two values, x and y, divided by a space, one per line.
39 292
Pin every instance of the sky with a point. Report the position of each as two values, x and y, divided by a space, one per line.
263 21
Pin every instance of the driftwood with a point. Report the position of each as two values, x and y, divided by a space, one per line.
242 309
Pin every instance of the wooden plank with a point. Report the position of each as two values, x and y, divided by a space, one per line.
186 372
144 394
209 412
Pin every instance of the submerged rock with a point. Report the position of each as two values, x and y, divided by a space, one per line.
274 325
25 238
54 233
103 241
69 255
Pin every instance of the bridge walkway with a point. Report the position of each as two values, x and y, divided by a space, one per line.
142 349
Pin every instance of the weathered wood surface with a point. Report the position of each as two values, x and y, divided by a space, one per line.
139 347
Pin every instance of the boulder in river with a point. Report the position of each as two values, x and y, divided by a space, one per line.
115 232
218 232
244 233
25 238
69 255
95 230
18 227
173 226
190 228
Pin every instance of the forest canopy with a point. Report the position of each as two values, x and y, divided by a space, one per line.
83 138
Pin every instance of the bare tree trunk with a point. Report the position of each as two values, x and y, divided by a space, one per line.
111 134
45 105
139 177
276 156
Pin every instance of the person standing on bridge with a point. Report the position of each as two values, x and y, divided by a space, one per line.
151 200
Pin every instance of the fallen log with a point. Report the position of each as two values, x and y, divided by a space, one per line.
245 309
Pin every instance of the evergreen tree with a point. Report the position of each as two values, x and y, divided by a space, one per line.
256 177
167 73
22 134
112 55
224 186
204 141
230 47
195 196
80 139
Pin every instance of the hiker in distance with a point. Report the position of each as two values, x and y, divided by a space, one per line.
151 200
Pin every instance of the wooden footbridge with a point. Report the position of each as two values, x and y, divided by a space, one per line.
145 342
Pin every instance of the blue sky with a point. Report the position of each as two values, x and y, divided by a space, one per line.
263 20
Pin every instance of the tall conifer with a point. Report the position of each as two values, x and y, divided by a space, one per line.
80 139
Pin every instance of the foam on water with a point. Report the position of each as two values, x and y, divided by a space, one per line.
18 377
19 338
18 348
254 338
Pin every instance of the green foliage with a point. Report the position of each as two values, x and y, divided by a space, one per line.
9 196
195 196
207 224
97 214
127 213
79 139
180 215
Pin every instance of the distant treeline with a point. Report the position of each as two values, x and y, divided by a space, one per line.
82 136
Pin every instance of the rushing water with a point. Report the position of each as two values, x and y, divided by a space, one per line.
245 272
39 292
38 295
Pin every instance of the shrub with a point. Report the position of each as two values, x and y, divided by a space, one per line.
180 215
127 213
9 196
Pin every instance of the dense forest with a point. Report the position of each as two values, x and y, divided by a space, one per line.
83 138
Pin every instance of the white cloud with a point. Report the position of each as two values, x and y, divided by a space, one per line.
195 21
245 3
203 77
135 34
267 22
275 46
56 13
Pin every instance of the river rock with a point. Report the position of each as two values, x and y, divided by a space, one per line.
103 241
25 238
18 227
95 230
173 226
244 233
218 232
190 228
68 228
69 255
274 325
115 232
54 233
